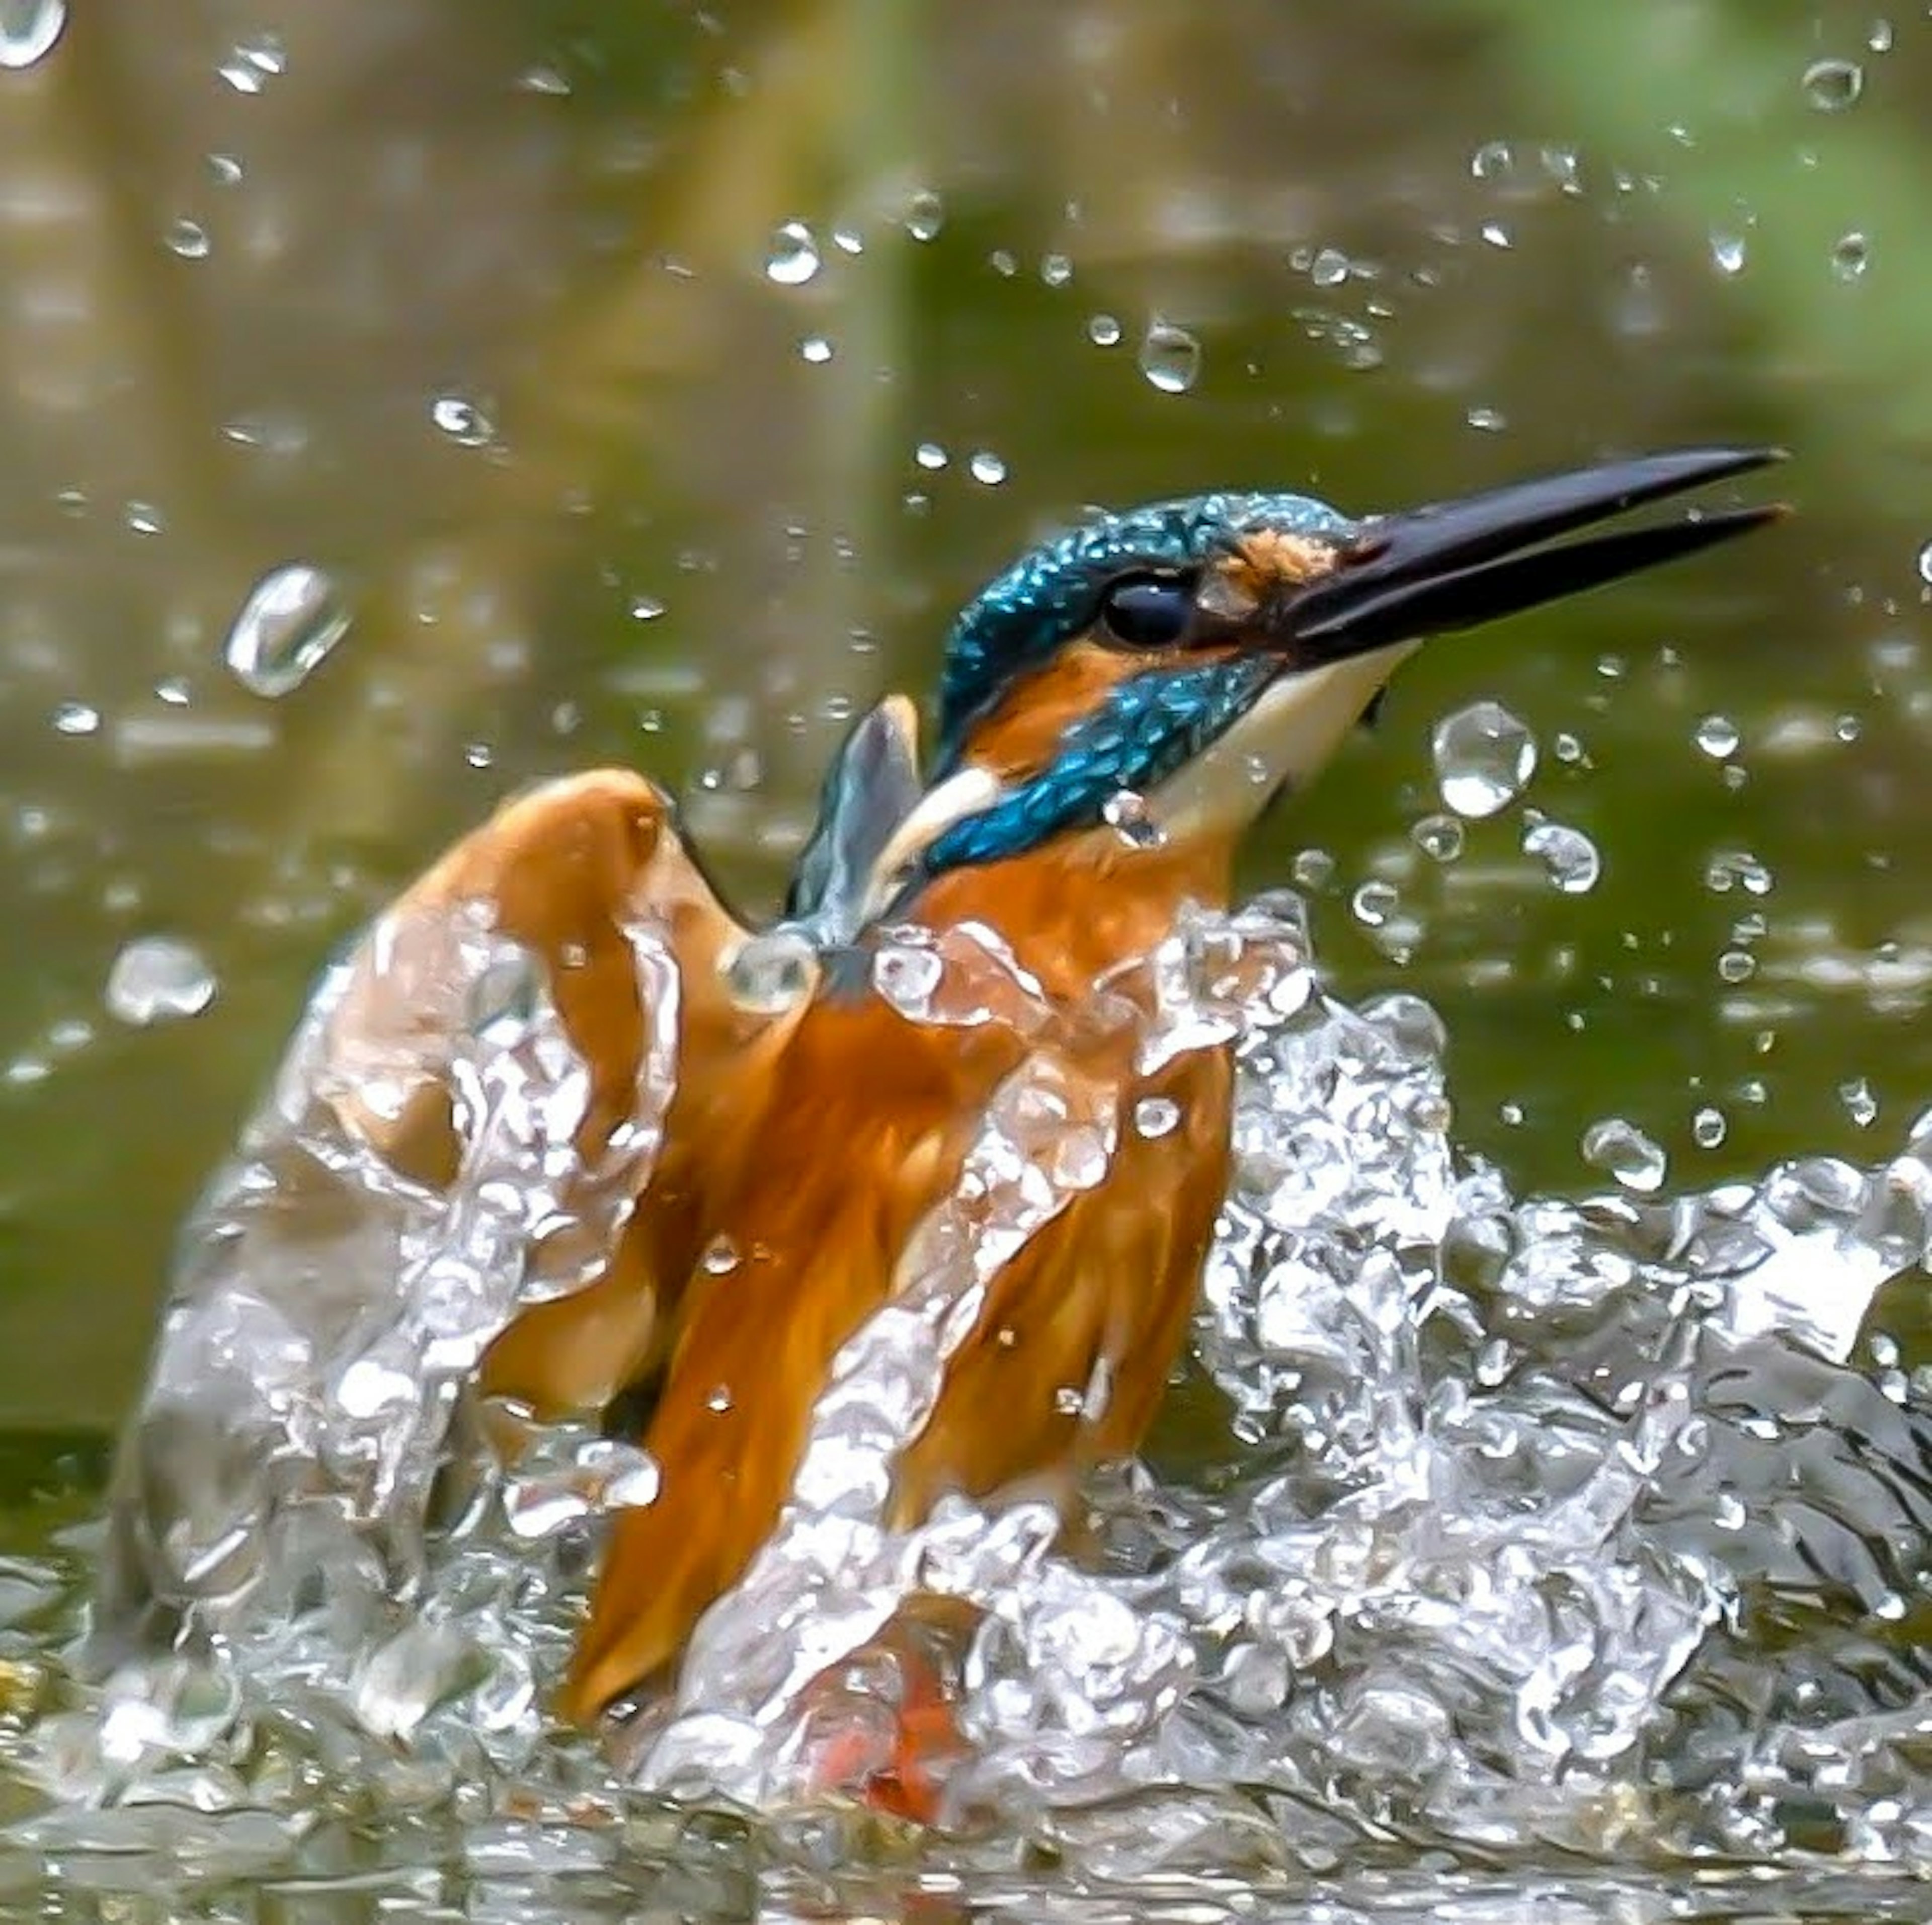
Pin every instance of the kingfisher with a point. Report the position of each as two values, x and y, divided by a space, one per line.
1113 712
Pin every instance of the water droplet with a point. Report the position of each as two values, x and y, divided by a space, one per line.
1625 1153
188 239
143 517
1439 837
925 215
76 718
645 607
1156 1117
815 349
1487 420
1496 234
1717 736
292 618
792 258
772 972
1727 250
254 63
1880 36
929 455
1126 812
1329 268
158 979
1851 255
1708 1128
28 31
1312 868
1861 1105
1491 160
1832 86
721 1257
1483 757
1056 270
987 467
908 978
1373 903
1170 358
1104 331
1736 966
462 420
1925 565
1569 856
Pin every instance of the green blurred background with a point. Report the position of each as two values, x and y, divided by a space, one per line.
489 308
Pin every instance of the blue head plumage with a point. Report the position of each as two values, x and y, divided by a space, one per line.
1048 597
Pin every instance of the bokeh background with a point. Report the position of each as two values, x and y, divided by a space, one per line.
645 382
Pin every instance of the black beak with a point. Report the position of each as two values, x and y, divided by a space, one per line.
1458 564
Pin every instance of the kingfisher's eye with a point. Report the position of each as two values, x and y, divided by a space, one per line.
1148 611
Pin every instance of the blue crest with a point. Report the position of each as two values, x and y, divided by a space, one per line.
1049 596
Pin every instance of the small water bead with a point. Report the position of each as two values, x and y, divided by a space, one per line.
793 257
1126 812
29 29
144 517
1483 757
1487 420
1374 902
1625 1153
1329 268
1736 966
1104 331
1708 1128
1717 736
721 1257
1170 358
1156 1117
1439 837
1728 252
1861 1105
1832 86
1312 868
291 620
925 216
1055 270
930 455
986 467
254 63
158 979
76 718
1737 868
187 239
1924 564
816 349
461 420
1570 856
1851 255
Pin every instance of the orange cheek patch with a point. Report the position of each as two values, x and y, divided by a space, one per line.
1022 735
1270 559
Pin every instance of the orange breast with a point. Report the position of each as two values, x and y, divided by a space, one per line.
806 1196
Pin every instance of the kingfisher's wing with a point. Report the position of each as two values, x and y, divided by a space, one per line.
575 872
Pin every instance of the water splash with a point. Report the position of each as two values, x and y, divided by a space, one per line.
1599 1525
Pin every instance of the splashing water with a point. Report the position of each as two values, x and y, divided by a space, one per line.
1539 1524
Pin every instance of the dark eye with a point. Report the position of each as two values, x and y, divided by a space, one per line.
1148 611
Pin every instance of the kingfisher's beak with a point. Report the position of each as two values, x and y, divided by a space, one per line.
1458 564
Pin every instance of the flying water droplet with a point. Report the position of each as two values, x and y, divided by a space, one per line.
1861 1105
1329 268
815 349
1708 1128
1924 565
986 467
1718 736
925 215
1374 903
462 420
1569 856
1851 255
292 618
29 29
1055 270
188 239
158 979
1832 86
1170 358
1624 1153
929 455
1156 1117
1126 812
1484 756
1439 837
76 718
1728 252
792 258
1104 331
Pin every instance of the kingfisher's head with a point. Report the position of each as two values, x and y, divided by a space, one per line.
1177 666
